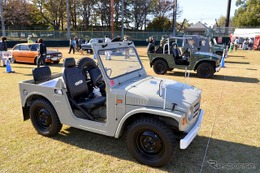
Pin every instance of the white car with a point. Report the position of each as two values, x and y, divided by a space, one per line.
87 46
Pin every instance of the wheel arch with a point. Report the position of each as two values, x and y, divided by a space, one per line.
128 119
28 103
213 63
158 58
35 60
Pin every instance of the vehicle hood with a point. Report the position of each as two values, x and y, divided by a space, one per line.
207 55
163 93
218 46
53 52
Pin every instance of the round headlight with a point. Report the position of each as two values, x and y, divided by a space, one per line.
189 115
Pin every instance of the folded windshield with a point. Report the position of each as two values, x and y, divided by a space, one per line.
119 61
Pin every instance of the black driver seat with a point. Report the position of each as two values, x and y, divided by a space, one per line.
177 54
78 91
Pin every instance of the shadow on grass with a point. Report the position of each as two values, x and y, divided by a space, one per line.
189 160
219 77
31 66
236 79
238 56
235 62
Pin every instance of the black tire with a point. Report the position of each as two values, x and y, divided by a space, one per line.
205 70
151 142
85 64
219 53
160 66
56 62
44 118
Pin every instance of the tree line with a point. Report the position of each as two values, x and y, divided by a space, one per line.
246 15
83 14
95 14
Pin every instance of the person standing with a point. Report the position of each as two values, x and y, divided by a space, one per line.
127 49
3 47
250 44
236 43
107 53
72 45
151 45
42 53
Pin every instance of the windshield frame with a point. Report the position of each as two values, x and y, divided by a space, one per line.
137 58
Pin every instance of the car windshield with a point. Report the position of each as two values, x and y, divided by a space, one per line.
118 62
93 41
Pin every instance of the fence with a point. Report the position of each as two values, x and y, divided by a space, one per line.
62 35
61 38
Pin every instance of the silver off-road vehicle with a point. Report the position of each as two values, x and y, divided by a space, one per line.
114 97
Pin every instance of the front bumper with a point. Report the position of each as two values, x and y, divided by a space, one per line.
185 142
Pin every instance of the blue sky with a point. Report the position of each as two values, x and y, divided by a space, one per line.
205 11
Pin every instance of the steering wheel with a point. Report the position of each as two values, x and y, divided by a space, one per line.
99 81
107 70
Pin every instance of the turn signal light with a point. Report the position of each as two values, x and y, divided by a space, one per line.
183 121
119 101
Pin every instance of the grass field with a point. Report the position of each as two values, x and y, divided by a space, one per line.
228 141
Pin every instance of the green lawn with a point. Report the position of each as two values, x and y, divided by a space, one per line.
228 141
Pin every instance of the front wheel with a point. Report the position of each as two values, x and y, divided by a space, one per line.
44 118
151 142
205 70
160 66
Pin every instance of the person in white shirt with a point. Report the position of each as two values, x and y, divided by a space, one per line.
107 53
236 42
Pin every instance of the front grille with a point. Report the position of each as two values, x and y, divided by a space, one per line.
196 109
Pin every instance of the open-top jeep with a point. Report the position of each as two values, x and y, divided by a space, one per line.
114 97
168 56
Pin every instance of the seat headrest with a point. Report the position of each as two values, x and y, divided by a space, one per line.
174 44
69 62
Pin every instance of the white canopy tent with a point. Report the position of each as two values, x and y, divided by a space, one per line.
246 33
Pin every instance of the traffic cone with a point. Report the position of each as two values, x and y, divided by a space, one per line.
8 67
223 62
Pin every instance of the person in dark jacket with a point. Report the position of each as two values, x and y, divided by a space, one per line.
3 47
42 53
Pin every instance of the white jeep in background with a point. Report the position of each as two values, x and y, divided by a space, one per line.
114 97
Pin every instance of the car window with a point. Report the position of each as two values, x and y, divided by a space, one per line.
24 47
91 41
34 47
17 47
94 41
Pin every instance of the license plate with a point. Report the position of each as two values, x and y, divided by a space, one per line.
54 59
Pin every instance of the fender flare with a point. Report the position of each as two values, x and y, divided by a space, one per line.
155 112
203 60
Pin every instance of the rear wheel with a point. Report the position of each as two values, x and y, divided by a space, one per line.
205 70
151 142
44 118
160 66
